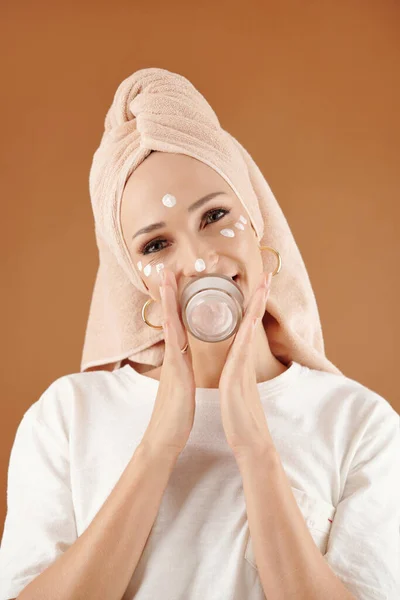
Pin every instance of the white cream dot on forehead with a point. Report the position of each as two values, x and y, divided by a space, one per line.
239 226
227 232
169 200
147 270
199 265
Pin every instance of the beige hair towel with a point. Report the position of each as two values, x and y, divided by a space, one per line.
156 110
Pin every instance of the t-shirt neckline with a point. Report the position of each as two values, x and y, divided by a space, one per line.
265 388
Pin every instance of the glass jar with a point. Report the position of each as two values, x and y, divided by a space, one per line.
212 307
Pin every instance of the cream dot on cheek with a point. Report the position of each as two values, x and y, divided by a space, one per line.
139 265
169 200
147 270
199 265
227 232
239 226
241 218
159 267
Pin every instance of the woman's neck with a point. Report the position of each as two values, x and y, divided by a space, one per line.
208 359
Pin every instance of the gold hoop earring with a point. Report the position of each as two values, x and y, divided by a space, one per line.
145 305
278 256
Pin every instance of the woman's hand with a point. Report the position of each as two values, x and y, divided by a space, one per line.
242 413
173 414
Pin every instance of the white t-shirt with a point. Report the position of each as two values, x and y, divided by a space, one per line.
338 441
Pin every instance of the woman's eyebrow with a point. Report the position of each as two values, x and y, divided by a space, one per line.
191 208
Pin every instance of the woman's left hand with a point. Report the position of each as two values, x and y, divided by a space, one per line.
243 416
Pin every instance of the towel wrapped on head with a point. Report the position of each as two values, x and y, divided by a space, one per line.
156 110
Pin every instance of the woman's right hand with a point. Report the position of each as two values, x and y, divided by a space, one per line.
173 413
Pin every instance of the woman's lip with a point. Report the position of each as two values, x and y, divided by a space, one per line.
238 282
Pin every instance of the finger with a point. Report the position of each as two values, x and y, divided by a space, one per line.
168 327
181 329
171 307
242 348
174 287
165 294
256 307
171 298
262 296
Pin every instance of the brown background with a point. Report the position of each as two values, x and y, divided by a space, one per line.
310 88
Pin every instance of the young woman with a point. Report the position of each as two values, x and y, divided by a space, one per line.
174 467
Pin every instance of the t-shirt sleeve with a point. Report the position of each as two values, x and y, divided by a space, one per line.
40 521
363 548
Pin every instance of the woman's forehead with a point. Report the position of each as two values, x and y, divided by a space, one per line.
166 179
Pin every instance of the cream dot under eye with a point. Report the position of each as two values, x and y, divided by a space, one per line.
147 270
227 232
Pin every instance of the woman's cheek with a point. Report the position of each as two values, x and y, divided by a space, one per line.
151 268
235 231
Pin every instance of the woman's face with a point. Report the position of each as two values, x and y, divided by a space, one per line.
189 235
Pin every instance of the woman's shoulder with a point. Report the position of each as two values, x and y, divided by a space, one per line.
350 394
57 397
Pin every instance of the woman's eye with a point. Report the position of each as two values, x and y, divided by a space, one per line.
218 210
151 245
146 249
